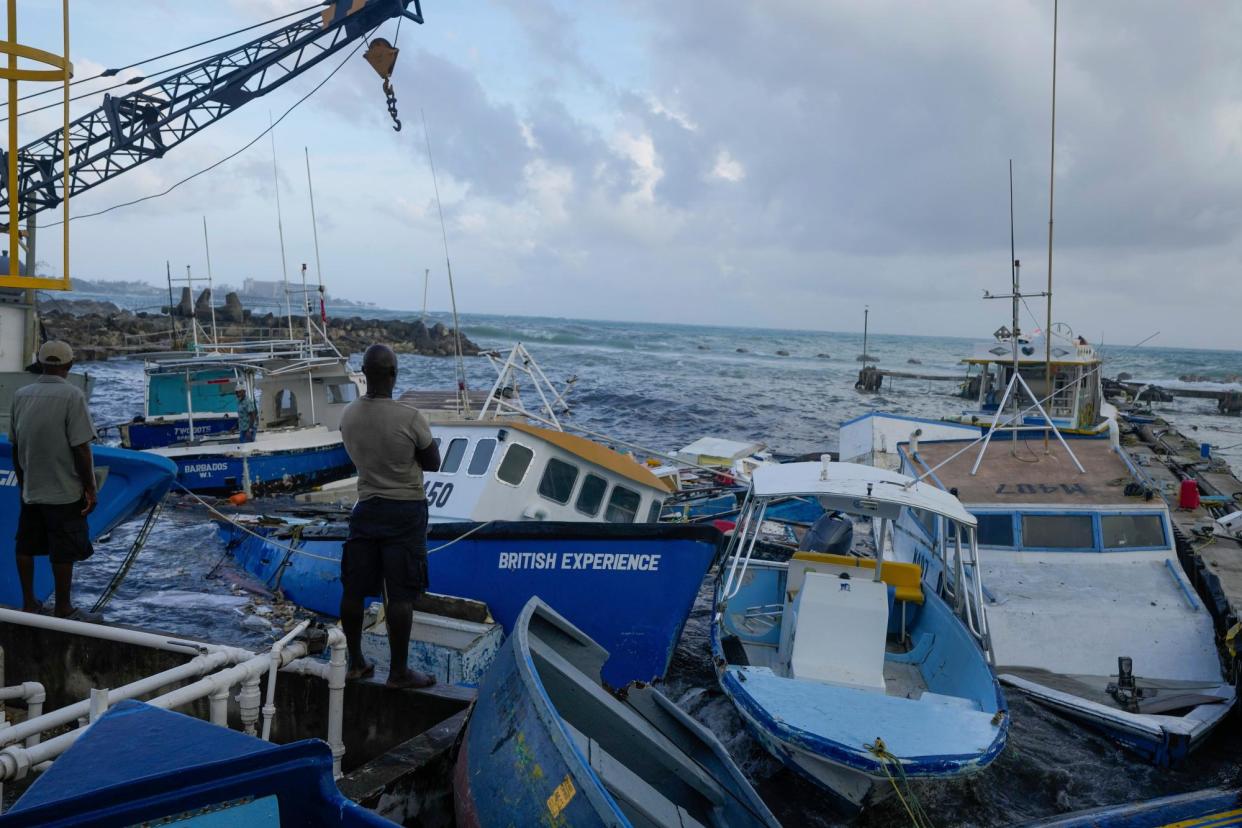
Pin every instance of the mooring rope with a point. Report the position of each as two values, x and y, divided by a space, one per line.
297 550
918 816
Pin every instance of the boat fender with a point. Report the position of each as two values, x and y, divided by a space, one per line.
238 499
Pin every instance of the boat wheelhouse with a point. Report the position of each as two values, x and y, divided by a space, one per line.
1089 609
1074 401
852 669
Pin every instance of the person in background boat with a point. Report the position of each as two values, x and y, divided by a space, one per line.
386 553
51 431
247 415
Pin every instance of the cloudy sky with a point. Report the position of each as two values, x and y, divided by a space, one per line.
764 164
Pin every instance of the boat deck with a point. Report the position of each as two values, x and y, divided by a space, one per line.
1026 475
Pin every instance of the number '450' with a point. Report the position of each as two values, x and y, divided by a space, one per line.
438 494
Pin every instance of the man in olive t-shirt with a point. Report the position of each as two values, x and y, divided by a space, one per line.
390 444
51 432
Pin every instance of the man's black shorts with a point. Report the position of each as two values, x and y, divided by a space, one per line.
387 547
58 531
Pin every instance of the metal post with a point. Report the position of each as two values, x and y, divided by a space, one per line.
211 291
1052 163
14 192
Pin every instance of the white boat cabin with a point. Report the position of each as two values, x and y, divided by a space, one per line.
512 470
1076 404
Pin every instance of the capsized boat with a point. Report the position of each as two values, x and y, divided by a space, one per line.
851 670
141 765
547 744
1089 609
629 586
129 483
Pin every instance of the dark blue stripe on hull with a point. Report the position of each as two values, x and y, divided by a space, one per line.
269 471
157 435
630 588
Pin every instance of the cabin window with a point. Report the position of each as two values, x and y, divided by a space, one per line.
622 506
514 465
482 457
927 520
452 458
653 514
345 392
591 496
995 530
558 480
1124 531
1058 532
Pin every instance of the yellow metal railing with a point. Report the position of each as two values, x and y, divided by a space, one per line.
62 71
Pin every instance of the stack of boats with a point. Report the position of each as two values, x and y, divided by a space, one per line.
869 614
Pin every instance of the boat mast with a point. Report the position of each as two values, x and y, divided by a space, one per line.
280 227
211 288
1016 281
463 395
1052 161
172 318
426 282
323 311
866 313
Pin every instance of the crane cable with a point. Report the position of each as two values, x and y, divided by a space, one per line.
226 158
109 73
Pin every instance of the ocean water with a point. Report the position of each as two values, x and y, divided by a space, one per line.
662 386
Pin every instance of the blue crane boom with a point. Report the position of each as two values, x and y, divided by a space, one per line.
129 130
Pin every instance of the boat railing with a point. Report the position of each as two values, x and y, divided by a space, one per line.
962 586
733 583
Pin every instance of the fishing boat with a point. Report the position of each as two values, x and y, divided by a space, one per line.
547 743
1089 608
129 483
300 398
852 670
1075 400
630 586
141 765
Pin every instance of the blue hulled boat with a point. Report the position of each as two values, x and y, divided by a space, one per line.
848 669
300 396
132 482
547 744
140 765
1212 808
628 586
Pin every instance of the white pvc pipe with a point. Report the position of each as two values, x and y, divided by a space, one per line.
35 725
338 666
118 634
16 761
269 709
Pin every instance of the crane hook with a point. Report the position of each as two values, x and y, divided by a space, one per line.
382 56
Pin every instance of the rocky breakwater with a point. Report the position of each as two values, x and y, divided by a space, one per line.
98 330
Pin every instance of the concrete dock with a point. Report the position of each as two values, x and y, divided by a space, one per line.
1211 557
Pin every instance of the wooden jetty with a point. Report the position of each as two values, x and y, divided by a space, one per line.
1210 555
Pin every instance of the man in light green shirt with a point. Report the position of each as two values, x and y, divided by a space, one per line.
51 431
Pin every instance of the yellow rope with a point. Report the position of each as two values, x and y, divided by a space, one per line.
918 817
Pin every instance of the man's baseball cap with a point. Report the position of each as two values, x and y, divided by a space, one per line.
239 388
55 352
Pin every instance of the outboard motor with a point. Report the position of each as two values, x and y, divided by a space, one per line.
832 533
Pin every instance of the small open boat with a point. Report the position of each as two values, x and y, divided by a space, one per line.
130 483
548 745
141 765
847 668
